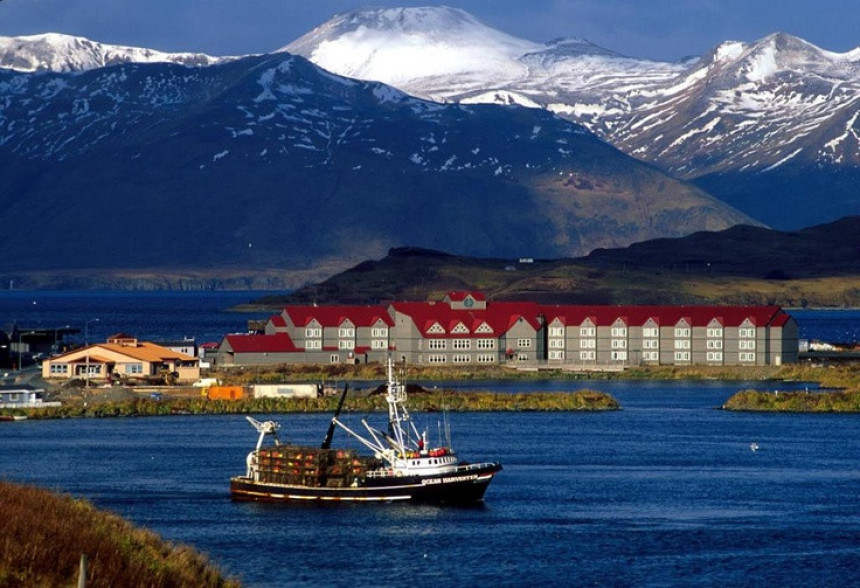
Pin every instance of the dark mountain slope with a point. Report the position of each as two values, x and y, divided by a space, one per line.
270 162
741 265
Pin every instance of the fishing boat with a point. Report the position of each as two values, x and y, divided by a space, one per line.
402 465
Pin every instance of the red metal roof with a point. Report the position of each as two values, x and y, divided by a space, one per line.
277 343
499 316
697 316
334 316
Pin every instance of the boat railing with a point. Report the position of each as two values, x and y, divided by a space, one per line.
477 466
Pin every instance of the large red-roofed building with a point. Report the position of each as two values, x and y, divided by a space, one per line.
464 328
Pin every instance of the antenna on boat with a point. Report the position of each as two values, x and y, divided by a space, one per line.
326 444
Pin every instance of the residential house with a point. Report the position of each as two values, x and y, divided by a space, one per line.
122 358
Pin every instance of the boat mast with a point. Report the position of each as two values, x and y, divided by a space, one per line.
397 413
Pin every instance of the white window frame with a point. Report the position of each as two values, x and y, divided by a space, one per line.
524 343
437 344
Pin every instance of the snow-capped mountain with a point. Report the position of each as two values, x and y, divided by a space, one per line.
269 161
763 109
64 53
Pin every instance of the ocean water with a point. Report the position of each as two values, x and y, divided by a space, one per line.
664 492
205 316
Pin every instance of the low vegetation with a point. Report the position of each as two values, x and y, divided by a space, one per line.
422 401
43 536
776 401
843 380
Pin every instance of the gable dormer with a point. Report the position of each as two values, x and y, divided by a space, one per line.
460 329
466 301
484 329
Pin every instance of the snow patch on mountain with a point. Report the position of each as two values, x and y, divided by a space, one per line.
394 45
65 53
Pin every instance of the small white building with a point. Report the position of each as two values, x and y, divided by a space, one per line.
287 390
23 397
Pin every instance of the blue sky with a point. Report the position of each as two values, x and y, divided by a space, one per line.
656 29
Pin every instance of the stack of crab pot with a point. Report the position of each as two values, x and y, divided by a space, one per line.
311 466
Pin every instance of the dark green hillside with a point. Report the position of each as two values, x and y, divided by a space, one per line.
819 266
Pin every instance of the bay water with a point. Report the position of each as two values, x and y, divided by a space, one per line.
666 491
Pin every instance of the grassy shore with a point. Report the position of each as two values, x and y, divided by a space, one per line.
435 401
776 401
44 534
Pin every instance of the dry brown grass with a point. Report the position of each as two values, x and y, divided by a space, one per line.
43 536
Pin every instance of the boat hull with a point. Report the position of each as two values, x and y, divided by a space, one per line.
463 486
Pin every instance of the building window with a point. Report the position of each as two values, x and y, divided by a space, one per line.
682 356
486 344
746 344
588 344
747 357
556 343
59 368
311 332
346 344
682 343
379 332
586 355
619 344
522 357
682 332
461 344
378 344
486 358
556 354
715 332
587 332
651 356
715 356
524 343
334 358
345 332
313 344
556 331
714 344
619 331
436 344
461 358
651 344
619 356
435 359
650 332
134 368
746 333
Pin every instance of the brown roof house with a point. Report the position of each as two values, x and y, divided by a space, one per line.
122 358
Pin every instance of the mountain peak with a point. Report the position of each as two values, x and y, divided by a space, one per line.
393 44
57 52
